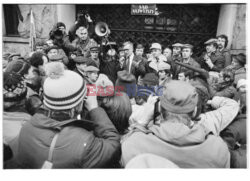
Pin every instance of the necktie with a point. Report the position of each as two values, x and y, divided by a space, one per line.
127 64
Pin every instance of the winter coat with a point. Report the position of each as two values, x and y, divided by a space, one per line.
217 59
84 45
239 74
227 55
80 143
236 138
177 68
110 66
12 124
196 147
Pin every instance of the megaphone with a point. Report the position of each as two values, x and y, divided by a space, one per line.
102 29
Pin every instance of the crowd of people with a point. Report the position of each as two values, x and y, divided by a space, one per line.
74 103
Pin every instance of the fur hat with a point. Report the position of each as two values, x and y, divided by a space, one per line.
63 89
14 88
104 86
179 97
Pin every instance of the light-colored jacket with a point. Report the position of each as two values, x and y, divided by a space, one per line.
196 147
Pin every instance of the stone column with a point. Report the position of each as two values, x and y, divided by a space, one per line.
66 14
226 21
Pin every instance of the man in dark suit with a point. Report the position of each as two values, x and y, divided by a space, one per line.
132 63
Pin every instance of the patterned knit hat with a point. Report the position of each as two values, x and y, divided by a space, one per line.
18 66
14 88
63 89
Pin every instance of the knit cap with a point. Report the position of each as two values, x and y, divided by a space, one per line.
63 89
179 97
14 88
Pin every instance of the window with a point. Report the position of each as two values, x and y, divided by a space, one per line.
11 15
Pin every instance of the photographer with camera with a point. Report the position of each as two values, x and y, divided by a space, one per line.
84 19
60 38
184 136
82 41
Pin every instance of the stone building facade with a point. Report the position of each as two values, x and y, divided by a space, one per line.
231 21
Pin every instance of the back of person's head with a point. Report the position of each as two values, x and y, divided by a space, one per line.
143 93
36 59
18 66
32 104
179 102
119 110
59 24
126 82
14 89
63 89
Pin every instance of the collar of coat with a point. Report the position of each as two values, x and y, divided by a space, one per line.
180 134
40 120
175 133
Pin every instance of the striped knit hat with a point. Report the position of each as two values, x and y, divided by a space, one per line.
63 89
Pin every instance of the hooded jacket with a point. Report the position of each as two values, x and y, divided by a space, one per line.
80 143
197 147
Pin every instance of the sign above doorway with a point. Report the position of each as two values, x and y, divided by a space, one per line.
144 9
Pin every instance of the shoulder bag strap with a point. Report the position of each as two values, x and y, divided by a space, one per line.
52 146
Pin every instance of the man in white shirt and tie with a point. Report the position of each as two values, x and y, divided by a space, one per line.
129 55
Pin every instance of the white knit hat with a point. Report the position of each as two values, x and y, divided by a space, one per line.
63 89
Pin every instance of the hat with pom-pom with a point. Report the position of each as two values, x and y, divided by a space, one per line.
63 89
